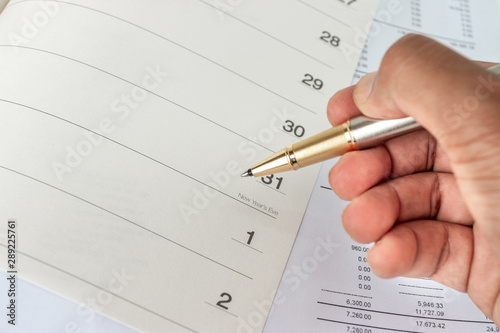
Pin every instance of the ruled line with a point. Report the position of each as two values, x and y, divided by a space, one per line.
220 309
250 247
360 71
269 187
127 220
138 86
141 154
420 295
367 326
180 46
406 315
420 287
104 290
341 293
322 12
267 34
420 32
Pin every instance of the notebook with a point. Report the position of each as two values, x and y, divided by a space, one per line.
125 127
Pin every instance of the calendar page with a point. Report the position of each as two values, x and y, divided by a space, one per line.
125 128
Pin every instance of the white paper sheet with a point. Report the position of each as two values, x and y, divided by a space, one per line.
327 285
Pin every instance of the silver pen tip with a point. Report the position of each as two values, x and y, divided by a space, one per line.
247 173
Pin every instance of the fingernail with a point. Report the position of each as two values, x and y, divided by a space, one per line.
363 88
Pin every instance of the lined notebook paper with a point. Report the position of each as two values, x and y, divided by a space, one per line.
125 126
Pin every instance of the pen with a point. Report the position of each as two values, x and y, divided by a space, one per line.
355 134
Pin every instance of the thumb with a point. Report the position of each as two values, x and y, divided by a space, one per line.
446 93
457 101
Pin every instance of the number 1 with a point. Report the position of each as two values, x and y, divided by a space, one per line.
251 233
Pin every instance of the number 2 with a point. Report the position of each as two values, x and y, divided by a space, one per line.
227 299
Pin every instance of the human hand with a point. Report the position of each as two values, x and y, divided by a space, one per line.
430 199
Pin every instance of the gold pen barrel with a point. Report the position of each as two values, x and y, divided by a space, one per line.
320 147
323 146
357 133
